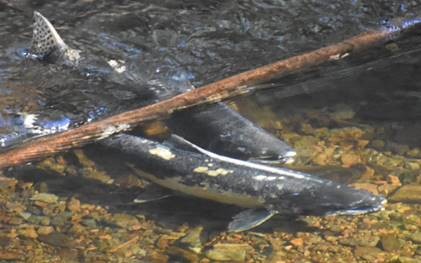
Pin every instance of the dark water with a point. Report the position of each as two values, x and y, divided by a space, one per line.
175 44
374 97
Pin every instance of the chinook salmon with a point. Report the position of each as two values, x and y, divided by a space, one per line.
264 190
221 129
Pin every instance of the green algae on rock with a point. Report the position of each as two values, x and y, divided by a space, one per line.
407 194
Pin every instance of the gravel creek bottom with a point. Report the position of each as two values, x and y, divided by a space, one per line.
77 207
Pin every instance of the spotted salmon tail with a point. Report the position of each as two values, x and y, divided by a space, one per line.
47 43
45 39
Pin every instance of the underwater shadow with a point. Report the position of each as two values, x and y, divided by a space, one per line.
169 213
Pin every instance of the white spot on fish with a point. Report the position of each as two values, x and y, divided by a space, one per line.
72 55
162 152
29 120
217 172
264 168
262 177
118 66
279 186
201 169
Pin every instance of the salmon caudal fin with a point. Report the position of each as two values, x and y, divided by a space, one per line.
45 39
47 43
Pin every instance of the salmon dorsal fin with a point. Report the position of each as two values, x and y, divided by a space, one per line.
45 38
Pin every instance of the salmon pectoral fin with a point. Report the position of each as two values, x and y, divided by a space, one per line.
249 219
153 193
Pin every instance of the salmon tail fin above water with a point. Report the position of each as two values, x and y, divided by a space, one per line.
45 39
47 43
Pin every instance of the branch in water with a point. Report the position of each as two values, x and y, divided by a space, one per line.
232 86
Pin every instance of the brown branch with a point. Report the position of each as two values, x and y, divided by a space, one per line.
217 91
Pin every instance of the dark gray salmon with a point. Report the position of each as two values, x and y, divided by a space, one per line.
215 127
265 190
228 133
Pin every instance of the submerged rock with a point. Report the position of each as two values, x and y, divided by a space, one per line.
7 184
390 243
408 194
45 230
57 240
5 255
186 254
193 239
408 260
228 252
45 197
368 253
28 232
73 205
124 220
416 237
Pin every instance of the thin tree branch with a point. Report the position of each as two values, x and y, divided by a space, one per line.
217 91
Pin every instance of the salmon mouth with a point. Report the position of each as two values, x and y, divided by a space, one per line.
363 209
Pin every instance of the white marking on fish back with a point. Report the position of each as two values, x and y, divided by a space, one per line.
117 65
261 167
162 152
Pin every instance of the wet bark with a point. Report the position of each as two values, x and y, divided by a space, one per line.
226 88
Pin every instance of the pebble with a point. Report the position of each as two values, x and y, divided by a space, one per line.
59 220
297 242
193 239
68 255
372 188
228 252
7 184
364 239
45 230
5 241
416 237
124 220
57 240
414 166
409 260
25 215
45 221
73 205
390 243
28 232
350 159
16 221
5 255
407 193
188 255
45 197
91 223
368 253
